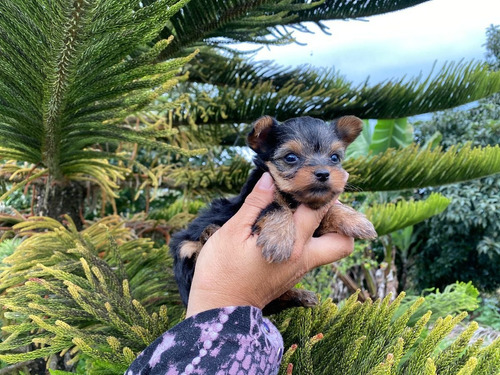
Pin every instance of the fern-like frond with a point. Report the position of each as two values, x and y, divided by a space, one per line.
108 238
242 91
454 299
412 167
88 62
262 21
391 217
209 179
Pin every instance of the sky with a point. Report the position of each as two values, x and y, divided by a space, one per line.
395 44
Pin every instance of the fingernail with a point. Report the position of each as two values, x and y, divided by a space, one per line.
265 182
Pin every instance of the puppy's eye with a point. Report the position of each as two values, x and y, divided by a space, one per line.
335 158
291 158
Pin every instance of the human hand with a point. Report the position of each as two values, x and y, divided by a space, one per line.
231 271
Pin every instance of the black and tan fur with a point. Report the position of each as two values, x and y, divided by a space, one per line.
303 155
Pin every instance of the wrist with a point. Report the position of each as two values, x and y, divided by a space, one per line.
204 300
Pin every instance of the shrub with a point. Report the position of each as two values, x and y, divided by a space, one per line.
102 295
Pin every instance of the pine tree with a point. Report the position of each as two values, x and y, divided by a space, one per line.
71 74
91 63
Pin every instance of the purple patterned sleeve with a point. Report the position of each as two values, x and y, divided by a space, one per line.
230 340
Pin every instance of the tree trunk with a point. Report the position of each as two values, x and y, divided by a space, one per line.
58 199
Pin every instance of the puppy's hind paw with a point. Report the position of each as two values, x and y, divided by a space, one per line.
189 249
292 298
307 298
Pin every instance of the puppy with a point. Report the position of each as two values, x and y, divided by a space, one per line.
303 155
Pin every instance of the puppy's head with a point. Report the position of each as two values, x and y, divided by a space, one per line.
304 155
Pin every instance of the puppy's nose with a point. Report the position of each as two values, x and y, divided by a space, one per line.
322 174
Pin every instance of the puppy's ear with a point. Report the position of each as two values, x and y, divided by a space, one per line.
258 136
348 128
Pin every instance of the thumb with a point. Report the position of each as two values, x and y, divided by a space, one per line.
261 196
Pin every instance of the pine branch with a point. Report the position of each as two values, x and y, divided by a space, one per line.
344 9
368 339
257 20
244 91
391 217
59 84
412 167
88 291
90 65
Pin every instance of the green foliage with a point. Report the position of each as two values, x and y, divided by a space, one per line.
463 242
391 134
361 145
488 313
15 201
88 307
391 217
240 92
261 21
7 247
385 134
454 299
70 74
414 167
100 293
209 178
178 214
493 46
89 66
368 338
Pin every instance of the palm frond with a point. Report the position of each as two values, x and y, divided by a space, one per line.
391 217
345 9
412 167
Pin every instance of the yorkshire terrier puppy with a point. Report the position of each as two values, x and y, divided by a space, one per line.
303 155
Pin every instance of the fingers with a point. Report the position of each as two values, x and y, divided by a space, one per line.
328 248
261 196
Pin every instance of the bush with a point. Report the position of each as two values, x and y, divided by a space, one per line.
368 338
463 243
102 295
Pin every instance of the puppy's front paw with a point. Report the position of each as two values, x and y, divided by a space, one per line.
343 219
275 249
276 233
358 226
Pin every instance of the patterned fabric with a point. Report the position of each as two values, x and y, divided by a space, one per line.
230 340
